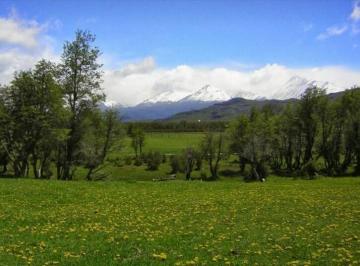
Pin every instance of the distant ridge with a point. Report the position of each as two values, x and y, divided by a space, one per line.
233 108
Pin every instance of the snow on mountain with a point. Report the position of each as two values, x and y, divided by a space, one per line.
296 86
207 93
166 96
292 88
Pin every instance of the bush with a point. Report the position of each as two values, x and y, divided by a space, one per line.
203 176
116 161
174 164
198 161
263 170
128 160
143 157
138 161
153 160
309 170
256 172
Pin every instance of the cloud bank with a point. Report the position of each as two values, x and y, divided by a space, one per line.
137 86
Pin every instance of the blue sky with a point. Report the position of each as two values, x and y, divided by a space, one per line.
149 47
206 32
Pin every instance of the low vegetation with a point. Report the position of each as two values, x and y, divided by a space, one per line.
279 222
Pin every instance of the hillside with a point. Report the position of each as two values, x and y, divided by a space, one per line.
227 110
232 108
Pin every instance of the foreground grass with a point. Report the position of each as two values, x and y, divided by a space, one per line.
177 223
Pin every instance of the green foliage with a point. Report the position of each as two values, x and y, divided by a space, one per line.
128 160
309 170
137 140
213 151
80 78
153 160
49 118
295 141
175 164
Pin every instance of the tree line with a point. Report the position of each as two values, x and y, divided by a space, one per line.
315 135
49 117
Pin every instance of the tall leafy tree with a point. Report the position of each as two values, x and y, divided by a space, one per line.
80 76
307 110
33 104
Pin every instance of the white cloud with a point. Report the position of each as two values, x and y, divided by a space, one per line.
144 66
136 87
332 31
355 14
14 31
22 44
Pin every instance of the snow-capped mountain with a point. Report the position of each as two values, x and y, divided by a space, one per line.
166 96
296 86
208 93
171 102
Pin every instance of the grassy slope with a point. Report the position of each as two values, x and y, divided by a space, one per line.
109 223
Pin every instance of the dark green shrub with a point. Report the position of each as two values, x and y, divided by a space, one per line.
116 161
174 164
153 160
138 161
203 175
309 170
128 160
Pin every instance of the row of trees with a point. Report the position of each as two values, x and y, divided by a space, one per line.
49 117
316 134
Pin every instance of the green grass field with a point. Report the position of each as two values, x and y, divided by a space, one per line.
279 222
165 143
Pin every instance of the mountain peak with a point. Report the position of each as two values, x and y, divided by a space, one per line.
208 93
166 96
297 85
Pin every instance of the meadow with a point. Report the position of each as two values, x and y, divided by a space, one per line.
165 143
229 222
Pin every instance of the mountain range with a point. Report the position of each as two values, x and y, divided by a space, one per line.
171 102
168 103
231 109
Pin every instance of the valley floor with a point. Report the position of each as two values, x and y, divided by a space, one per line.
279 222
